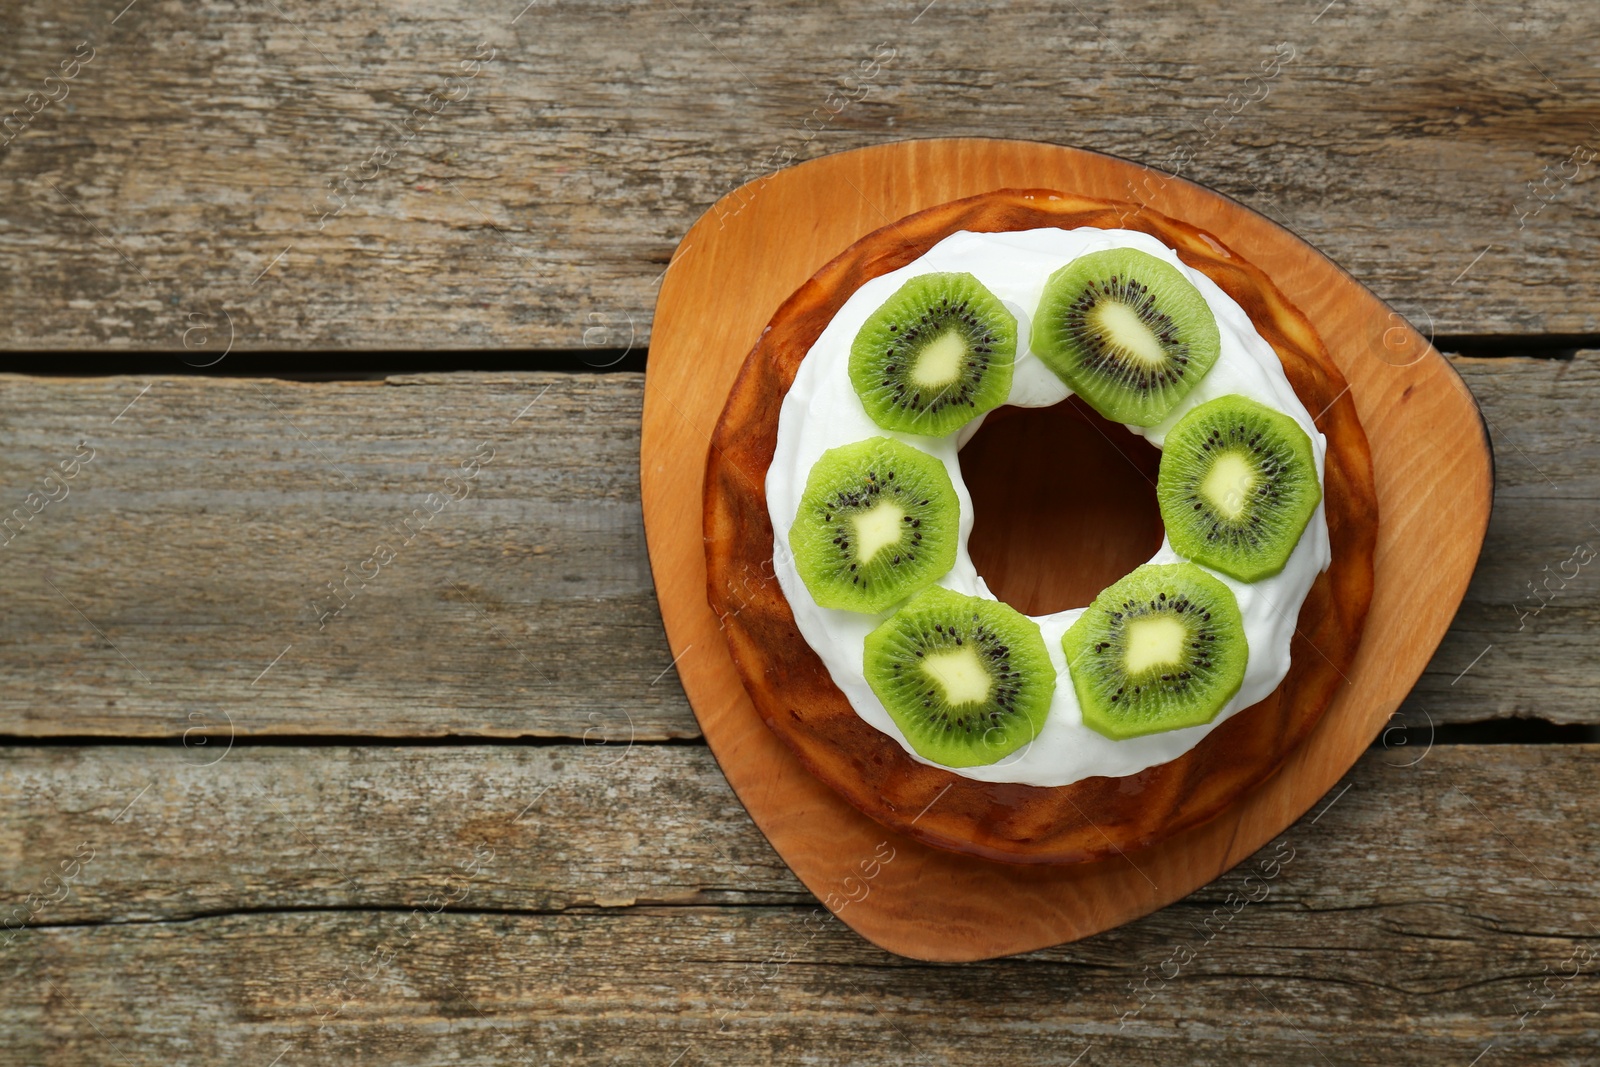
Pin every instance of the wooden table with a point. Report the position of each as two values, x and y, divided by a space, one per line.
339 721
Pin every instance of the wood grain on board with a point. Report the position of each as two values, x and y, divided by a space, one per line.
311 175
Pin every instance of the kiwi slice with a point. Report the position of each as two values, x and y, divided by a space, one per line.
967 680
1160 649
877 522
1127 332
935 356
1238 483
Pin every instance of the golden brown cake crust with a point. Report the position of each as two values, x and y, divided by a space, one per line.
1096 817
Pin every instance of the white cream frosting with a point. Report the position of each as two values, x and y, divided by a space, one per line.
822 411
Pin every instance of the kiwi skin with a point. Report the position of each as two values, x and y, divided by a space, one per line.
1259 543
887 348
1125 390
1161 698
1011 650
853 480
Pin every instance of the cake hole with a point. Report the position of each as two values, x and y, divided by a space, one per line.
1065 504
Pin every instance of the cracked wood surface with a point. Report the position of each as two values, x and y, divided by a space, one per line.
182 583
438 175
616 906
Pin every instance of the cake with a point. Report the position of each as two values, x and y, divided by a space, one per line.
1076 778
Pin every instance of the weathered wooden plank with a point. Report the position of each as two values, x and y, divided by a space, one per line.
1532 610
755 986
223 524
609 825
416 175
1401 922
569 825
215 511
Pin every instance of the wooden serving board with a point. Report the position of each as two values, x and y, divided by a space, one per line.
1431 462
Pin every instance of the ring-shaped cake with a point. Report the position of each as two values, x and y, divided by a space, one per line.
822 411
1048 799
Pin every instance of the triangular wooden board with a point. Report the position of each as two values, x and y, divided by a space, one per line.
758 244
